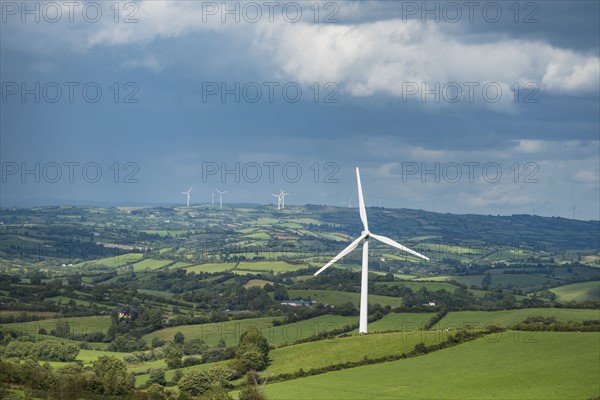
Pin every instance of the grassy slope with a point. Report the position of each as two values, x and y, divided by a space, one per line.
339 350
275 266
546 365
524 281
578 291
212 267
78 325
400 322
480 319
230 331
115 261
150 264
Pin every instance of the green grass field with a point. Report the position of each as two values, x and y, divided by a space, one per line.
65 300
543 365
230 331
179 264
400 322
113 262
258 235
211 267
480 319
338 298
256 282
275 266
44 314
150 264
78 325
87 356
523 281
340 350
578 291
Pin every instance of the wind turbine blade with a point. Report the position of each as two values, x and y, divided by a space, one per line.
225 191
361 202
392 243
343 253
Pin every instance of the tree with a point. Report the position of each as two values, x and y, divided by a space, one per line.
63 329
179 338
486 281
157 376
252 351
177 375
126 343
112 377
280 293
251 392
157 342
216 393
71 383
197 382
156 392
194 346
173 358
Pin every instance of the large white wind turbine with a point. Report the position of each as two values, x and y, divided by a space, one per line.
364 238
188 196
221 197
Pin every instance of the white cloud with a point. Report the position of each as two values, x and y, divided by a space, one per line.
386 56
366 59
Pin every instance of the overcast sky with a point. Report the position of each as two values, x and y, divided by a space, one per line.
462 107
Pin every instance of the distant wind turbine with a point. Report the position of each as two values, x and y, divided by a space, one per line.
212 198
221 197
188 196
278 201
364 238
282 197
573 209
348 203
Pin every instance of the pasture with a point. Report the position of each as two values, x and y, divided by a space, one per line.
400 322
578 291
114 261
211 267
266 266
230 331
78 325
480 319
150 264
544 365
347 349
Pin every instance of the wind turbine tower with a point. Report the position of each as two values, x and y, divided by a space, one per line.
278 201
282 197
574 208
364 239
221 197
187 196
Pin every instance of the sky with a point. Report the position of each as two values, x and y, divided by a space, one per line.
460 107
